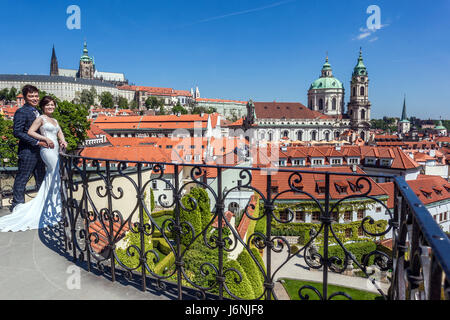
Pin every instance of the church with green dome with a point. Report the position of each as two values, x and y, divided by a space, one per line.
324 118
326 94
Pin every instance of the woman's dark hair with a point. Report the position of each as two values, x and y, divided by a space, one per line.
28 89
44 101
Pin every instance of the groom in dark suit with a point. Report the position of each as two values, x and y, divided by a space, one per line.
30 161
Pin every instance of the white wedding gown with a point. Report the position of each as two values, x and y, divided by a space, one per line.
44 209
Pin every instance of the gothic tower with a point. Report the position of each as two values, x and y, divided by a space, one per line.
54 64
404 125
359 105
86 69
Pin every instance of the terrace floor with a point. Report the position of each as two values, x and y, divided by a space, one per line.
31 269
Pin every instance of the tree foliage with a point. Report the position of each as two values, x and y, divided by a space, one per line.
8 144
107 100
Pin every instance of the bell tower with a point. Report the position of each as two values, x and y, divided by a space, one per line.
359 105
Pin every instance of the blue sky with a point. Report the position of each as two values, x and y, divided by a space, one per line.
239 49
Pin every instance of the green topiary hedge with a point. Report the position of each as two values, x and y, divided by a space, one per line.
162 245
203 203
253 272
190 215
167 262
358 249
243 289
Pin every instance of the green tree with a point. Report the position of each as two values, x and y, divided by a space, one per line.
73 121
12 94
198 110
8 143
154 103
123 103
179 108
4 94
133 104
86 98
107 100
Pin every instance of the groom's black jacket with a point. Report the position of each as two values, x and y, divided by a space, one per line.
23 119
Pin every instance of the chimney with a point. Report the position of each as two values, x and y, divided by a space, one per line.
354 168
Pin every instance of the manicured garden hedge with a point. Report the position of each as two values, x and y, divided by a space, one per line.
253 272
244 288
358 249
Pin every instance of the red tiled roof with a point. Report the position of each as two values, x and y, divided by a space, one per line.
96 228
288 110
312 181
427 188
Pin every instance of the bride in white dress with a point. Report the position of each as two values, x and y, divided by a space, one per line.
45 208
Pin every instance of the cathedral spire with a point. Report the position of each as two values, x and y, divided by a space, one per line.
404 117
54 64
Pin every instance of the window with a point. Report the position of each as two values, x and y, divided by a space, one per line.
348 233
274 189
360 232
354 92
361 214
321 104
298 162
155 184
315 216
317 161
378 209
333 104
284 215
348 216
361 91
300 135
336 161
300 216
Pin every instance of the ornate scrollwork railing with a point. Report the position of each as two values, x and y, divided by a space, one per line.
113 227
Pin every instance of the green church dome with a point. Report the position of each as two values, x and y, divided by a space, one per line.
327 83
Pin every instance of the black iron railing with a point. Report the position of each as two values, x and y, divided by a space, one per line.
111 227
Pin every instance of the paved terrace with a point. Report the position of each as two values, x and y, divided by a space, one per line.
32 267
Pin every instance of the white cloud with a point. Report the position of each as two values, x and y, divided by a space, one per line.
366 32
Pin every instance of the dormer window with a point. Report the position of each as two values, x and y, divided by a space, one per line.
340 187
354 186
437 190
370 161
336 161
317 162
426 194
385 162
320 187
